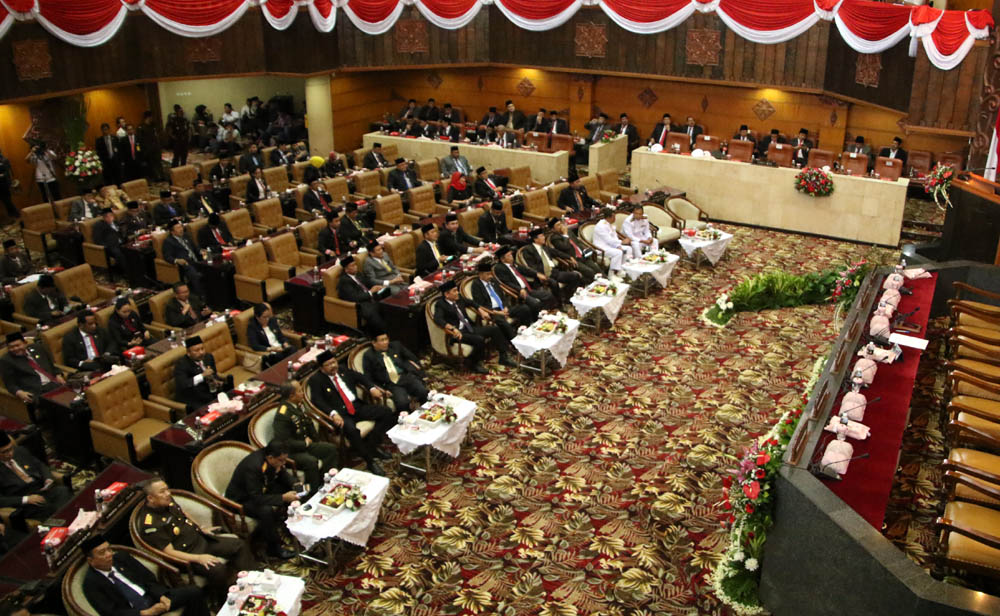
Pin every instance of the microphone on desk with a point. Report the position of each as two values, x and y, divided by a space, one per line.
827 472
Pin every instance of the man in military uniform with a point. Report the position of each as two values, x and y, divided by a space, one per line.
165 526
264 487
294 427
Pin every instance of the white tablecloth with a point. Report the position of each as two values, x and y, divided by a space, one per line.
584 302
446 437
712 249
288 596
659 271
530 341
351 526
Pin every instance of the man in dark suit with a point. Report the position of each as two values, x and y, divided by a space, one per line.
801 144
118 584
294 426
328 242
661 130
334 392
264 336
167 209
27 371
256 187
413 128
744 135
185 310
493 224
450 315
513 119
195 380
506 138
263 484
597 126
895 151
523 280
88 347
251 160
46 303
223 171
574 198
179 251
565 246
106 147
215 235
491 119
692 130
542 266
765 143
27 485
538 123
624 127
85 208
375 159
281 156
429 257
427 130
131 156
430 111
333 166
351 288
402 178
452 131
450 114
395 369
410 111
488 296
557 125
351 229
316 199
15 265
136 220
488 186
107 234
454 241
201 202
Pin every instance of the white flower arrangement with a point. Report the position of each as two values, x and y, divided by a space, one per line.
751 564
83 163
723 303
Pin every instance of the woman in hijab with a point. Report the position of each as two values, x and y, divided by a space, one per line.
125 326
459 189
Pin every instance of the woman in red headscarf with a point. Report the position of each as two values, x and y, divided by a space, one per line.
459 189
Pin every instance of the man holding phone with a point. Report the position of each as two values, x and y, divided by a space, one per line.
264 487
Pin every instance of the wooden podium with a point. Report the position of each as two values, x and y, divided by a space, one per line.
972 225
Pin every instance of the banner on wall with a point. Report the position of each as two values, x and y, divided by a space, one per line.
866 26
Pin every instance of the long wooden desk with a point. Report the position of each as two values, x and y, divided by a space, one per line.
860 209
545 167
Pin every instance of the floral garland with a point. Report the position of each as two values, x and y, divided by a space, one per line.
748 507
849 281
83 163
939 183
607 135
814 182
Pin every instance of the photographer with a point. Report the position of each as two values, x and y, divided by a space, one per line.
45 172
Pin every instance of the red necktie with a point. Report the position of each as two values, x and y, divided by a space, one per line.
37 367
218 237
520 277
93 344
663 134
575 248
493 186
321 199
131 141
347 401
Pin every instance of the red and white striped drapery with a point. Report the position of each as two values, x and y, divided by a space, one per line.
868 27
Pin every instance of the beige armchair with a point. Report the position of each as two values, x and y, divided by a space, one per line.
52 339
688 214
13 407
299 170
555 190
241 226
228 360
17 297
76 602
337 188
520 178
610 188
422 204
389 213
183 177
122 421
37 224
238 190
267 214
667 227
368 185
428 169
240 323
257 279
137 190
593 186
284 250
336 310
276 178
309 234
157 325
79 282
211 471
585 233
537 208
440 343
204 168
160 375
166 272
94 255
402 249
261 428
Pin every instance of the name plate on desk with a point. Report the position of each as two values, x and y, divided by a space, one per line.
908 341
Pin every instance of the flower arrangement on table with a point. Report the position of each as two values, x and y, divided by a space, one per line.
602 287
814 182
748 509
656 256
83 163
845 288
438 412
708 233
607 135
939 183
344 495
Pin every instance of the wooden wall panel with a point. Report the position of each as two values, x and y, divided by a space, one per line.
947 100
895 79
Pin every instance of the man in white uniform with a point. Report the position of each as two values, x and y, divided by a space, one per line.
636 229
608 241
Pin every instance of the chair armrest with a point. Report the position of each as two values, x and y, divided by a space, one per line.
954 478
246 350
384 226
955 427
414 218
95 254
957 308
961 286
23 319
310 251
336 310
178 189
556 212
249 289
290 221
294 337
976 535
261 229
161 401
105 292
984 349
281 272
518 223
307 259
14 407
156 330
157 411
66 369
958 376
535 217
111 441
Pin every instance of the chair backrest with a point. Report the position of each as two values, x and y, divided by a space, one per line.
219 342
539 140
609 181
741 151
428 169
682 141
536 202
422 200
160 372
87 229
707 142
402 249
561 143
309 233
657 215
194 508
390 151
213 467
854 163
138 189
520 176
283 249
241 321
469 220
53 336
41 218
299 169
116 400
682 208
158 306
780 153
592 184
389 209
261 428
62 207
820 158
356 360
330 279
888 168
238 184
267 212
276 178
919 160
265 154
952 159
360 153
204 167
555 190
239 224
337 188
619 219
183 176
586 232
18 293
368 182
192 229
251 261
78 281
438 339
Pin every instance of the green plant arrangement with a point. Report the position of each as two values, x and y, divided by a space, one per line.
814 182
748 509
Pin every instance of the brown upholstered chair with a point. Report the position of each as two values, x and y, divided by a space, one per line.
593 186
94 254
469 220
402 249
336 310
610 188
820 158
241 227
560 143
337 188
122 421
192 229
919 161
780 154
157 325
520 178
52 339
166 272
13 407
76 602
79 281
138 190
183 177
37 224
240 323
686 214
422 204
284 250
682 141
309 234
368 185
389 213
970 537
258 280
62 208
228 360
972 476
555 190
276 178
537 208
709 143
265 155
211 471
238 189
267 214
428 169
360 153
854 163
17 296
536 139
160 374
954 160
298 170
512 223
741 151
888 168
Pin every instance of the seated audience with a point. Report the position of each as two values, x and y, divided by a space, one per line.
375 159
125 326
15 264
427 130
223 171
27 371
802 145
27 485
252 160
895 150
492 225
744 135
430 111
489 300
185 310
281 156
350 288
454 241
459 190
624 127
106 233
542 266
352 228
379 270
256 188
565 246
429 257
557 125
449 314
692 130
660 131
89 347
636 228
328 241
452 131
455 162
293 426
195 381
85 208
112 197
506 138
538 122
316 199
765 143
522 280
606 239
574 198
333 166
167 209
46 302
202 202
215 235
402 178
488 186
395 369
136 220
264 335
178 250
514 118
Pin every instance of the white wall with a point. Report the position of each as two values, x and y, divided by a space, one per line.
215 92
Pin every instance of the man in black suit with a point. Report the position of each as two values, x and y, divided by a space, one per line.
513 119
430 111
624 127
565 246
223 171
692 130
744 135
429 257
375 159
85 208
167 209
493 224
597 126
351 288
427 130
410 111
15 265
488 186
413 128
491 119
46 303
256 187
538 123
251 160
488 296
107 234
264 486
179 251
118 584
395 369
316 199
195 380
328 241
215 235
333 166
454 241
450 315
136 220
557 125
450 114
661 130
27 371
131 156
202 202
88 347
765 143
106 147
522 280
452 131
352 230
334 392
402 178
281 156
801 144
506 138
543 267
895 151
264 336
27 485
185 310
574 198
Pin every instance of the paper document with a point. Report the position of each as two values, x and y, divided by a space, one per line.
908 341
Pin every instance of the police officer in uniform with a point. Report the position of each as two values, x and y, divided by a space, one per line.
165 526
293 425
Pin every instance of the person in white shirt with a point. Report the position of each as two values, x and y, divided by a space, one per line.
606 238
45 172
636 229
229 115
120 130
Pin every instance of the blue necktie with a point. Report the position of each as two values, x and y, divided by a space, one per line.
497 302
137 601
